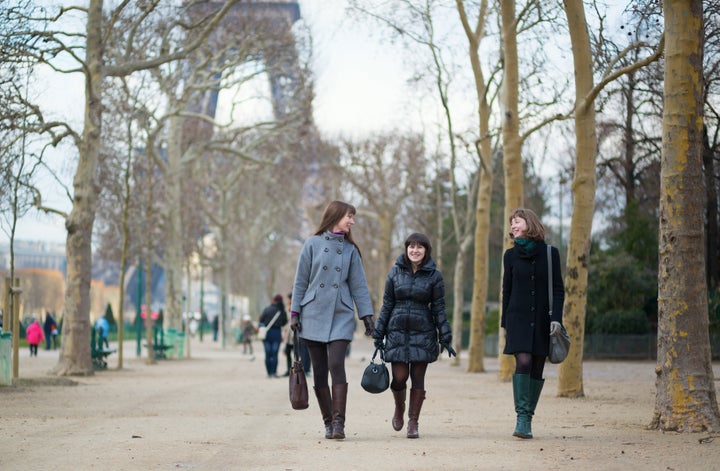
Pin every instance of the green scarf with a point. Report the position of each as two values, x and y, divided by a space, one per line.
527 244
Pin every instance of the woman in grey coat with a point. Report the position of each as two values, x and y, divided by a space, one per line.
525 311
412 320
329 284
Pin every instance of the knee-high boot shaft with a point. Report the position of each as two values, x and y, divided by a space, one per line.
397 419
339 402
325 402
521 395
417 397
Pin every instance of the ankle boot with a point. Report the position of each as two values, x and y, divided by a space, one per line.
325 402
417 396
521 395
536 386
339 401
397 419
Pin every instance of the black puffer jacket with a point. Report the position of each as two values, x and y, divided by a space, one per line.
412 314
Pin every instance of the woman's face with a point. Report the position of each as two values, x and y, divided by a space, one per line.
518 227
415 253
345 224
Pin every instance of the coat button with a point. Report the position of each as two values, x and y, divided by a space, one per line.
327 238
335 285
532 293
532 277
326 250
338 269
322 285
325 267
339 251
532 308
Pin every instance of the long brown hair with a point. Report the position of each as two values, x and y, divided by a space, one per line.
333 214
536 231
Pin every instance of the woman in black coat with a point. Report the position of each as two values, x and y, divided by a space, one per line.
525 311
412 314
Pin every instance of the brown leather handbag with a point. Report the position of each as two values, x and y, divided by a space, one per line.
298 382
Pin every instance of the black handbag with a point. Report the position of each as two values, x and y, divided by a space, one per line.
298 388
376 378
559 340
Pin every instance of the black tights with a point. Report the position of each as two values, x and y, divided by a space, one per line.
527 363
401 372
327 357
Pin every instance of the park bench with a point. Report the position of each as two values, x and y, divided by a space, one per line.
98 351
159 346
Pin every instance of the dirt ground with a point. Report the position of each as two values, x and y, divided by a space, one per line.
219 411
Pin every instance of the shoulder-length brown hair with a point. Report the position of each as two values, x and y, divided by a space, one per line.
333 214
536 230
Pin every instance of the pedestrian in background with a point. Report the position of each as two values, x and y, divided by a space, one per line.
525 311
248 332
330 284
273 317
411 322
34 335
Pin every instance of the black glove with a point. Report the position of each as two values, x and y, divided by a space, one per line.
379 343
369 326
295 324
447 346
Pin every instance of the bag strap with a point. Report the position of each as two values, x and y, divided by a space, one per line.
277 314
550 278
296 347
382 355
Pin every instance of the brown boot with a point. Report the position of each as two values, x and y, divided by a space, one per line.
417 396
397 419
325 403
339 401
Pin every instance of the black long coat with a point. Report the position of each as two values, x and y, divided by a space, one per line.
413 313
525 307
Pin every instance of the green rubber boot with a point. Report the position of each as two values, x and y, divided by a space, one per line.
521 394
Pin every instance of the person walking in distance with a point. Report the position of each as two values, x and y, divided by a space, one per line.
525 307
411 321
329 285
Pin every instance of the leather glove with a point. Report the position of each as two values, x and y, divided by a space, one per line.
379 343
447 346
554 327
369 326
295 324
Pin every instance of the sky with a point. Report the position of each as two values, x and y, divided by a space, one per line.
360 85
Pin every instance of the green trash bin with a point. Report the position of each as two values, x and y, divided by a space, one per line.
170 339
180 345
6 359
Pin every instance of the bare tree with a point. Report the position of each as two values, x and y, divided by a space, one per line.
685 400
61 47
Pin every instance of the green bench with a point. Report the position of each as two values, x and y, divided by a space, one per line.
98 352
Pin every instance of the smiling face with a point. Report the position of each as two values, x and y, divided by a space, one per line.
415 253
518 227
345 224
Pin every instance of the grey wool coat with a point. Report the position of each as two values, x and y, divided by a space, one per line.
413 318
525 307
329 283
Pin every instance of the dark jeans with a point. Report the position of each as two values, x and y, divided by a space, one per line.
272 348
33 349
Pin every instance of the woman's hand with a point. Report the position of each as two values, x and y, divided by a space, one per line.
295 324
369 326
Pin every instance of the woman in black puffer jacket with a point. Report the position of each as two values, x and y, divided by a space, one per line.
410 320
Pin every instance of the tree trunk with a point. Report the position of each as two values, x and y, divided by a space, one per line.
685 399
75 356
173 257
512 156
570 373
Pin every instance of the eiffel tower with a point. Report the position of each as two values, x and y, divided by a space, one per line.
274 19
